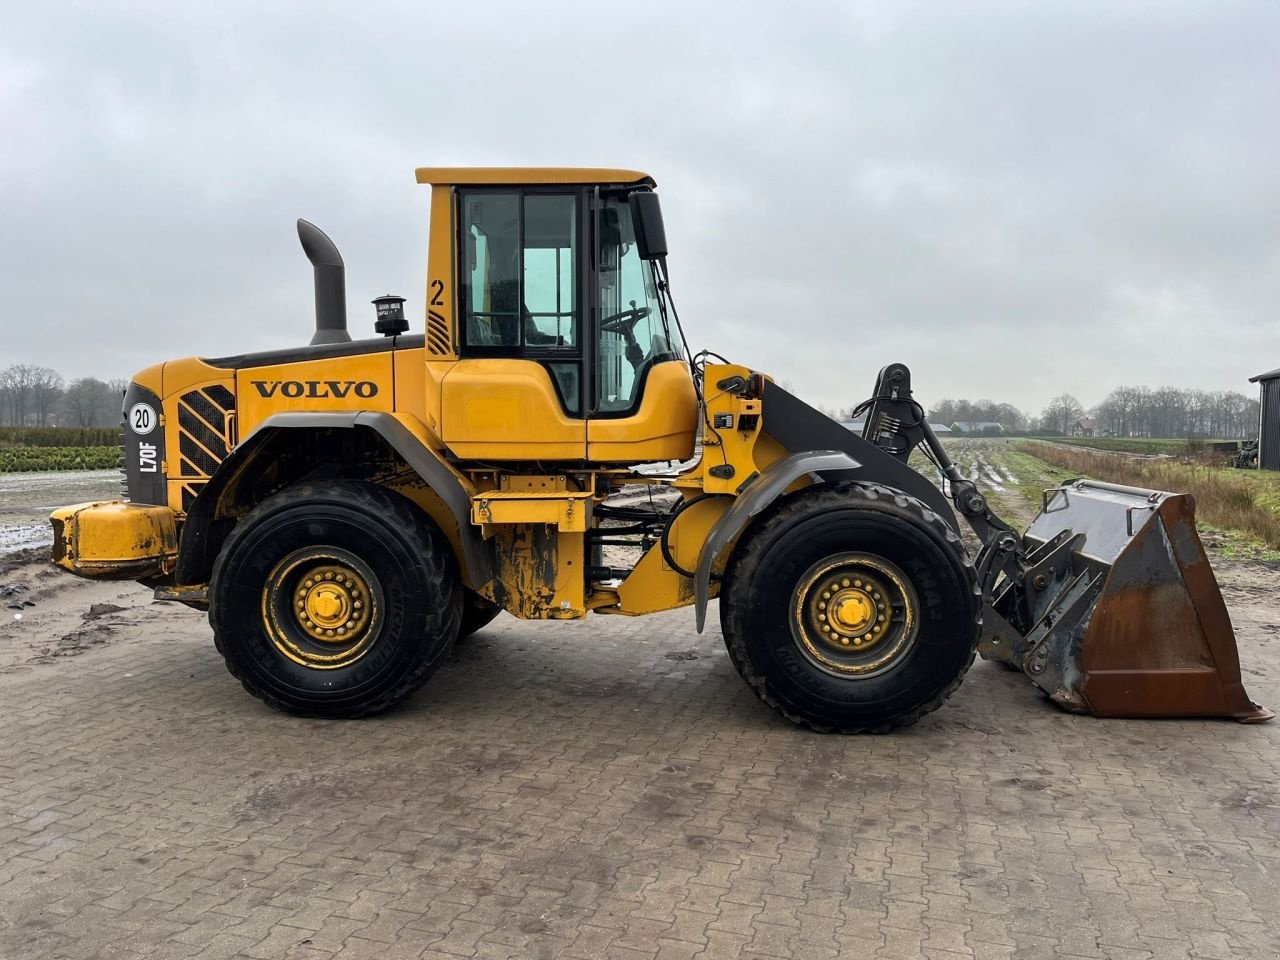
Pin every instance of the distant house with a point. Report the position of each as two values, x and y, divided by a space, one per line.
1084 427
977 427
940 429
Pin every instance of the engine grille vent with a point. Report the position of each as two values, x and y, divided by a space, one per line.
206 427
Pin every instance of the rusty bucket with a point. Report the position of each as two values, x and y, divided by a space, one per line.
1117 612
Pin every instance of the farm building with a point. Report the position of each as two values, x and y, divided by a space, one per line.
1084 427
1269 420
985 427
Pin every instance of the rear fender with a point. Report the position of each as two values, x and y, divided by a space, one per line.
197 548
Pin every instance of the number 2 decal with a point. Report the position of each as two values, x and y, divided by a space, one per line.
437 293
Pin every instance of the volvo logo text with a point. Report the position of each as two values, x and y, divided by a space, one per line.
316 389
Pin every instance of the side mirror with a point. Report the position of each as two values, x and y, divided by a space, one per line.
646 219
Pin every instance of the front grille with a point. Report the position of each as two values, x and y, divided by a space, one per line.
204 431
205 427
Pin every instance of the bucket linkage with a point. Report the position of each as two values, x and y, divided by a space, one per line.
1107 602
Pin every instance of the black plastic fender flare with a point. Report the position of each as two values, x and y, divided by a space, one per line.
475 554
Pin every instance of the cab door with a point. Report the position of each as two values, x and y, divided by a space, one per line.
643 406
516 392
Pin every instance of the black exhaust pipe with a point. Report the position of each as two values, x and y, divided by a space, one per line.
331 284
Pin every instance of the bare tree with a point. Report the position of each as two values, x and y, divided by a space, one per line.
1062 411
46 391
17 384
88 402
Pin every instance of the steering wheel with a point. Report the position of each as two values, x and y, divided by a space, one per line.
624 321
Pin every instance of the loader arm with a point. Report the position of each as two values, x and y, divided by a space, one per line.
897 424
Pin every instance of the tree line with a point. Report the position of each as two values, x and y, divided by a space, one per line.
1125 412
32 396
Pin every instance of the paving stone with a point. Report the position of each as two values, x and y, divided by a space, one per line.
568 790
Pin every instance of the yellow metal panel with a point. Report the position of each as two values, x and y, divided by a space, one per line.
187 372
361 382
507 410
152 378
114 540
434 373
411 391
533 483
540 572
653 585
568 511
664 428
724 441
441 339
475 176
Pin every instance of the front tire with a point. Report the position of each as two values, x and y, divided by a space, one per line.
851 608
334 601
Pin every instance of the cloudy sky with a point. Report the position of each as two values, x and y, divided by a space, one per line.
1014 198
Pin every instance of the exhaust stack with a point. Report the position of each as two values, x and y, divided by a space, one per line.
331 284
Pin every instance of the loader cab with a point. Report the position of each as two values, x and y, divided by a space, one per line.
562 347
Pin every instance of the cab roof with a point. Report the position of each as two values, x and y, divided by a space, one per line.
514 176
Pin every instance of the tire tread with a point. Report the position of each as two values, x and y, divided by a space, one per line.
750 555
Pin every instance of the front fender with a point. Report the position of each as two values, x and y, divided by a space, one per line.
766 488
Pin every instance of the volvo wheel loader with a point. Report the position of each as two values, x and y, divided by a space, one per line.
346 510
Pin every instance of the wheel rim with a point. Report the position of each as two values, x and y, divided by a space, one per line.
854 615
321 606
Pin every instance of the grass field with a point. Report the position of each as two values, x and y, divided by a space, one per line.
1139 445
1237 511
1245 503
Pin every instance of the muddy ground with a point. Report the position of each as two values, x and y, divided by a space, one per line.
27 498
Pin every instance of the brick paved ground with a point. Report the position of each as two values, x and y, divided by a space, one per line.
611 789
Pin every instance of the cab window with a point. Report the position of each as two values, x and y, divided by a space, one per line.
520 274
634 334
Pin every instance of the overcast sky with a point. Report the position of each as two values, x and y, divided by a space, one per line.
1015 199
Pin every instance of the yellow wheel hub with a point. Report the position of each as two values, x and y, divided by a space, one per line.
854 614
331 611
332 602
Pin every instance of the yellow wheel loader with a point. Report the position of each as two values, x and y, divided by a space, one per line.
549 446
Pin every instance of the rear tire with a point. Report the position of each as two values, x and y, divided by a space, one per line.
334 601
851 608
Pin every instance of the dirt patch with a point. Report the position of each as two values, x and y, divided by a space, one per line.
47 615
